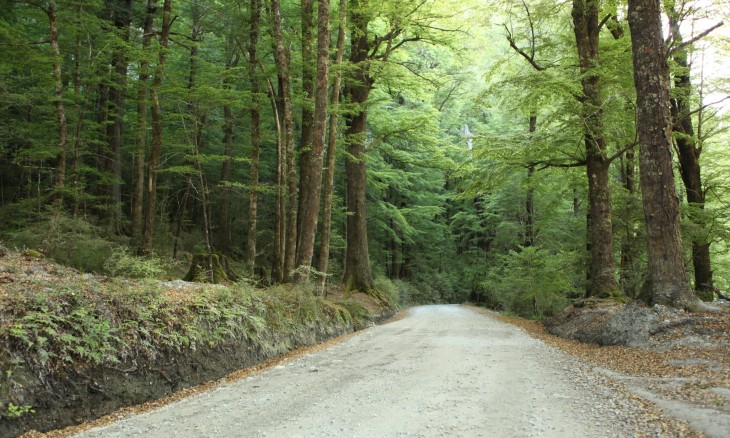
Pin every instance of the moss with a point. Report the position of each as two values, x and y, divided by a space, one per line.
360 314
33 254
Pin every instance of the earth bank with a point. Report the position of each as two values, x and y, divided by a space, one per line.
74 347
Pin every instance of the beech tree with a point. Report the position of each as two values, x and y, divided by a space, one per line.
667 273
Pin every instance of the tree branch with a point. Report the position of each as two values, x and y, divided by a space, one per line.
622 151
673 50
529 59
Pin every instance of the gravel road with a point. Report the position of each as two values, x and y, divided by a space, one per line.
442 371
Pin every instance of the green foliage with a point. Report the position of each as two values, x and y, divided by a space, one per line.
122 263
360 314
531 281
15 411
387 290
70 241
94 323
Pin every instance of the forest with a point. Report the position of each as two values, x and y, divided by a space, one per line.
517 154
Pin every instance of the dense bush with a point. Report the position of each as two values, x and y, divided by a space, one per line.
531 282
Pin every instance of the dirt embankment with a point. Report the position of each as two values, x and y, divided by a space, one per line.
75 347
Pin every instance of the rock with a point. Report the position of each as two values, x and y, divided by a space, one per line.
634 324
3 251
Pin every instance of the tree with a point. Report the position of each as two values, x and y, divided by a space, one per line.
329 180
689 151
587 28
311 180
253 60
156 149
358 275
283 57
668 283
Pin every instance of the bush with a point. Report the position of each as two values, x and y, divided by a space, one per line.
531 282
69 241
387 290
121 263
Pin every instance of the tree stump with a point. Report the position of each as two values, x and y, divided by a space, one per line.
211 268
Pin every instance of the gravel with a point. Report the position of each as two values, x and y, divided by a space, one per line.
442 371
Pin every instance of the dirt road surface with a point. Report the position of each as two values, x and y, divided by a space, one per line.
442 371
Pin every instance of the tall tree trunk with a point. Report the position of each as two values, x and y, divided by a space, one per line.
628 251
307 126
282 61
224 214
312 160
255 10
667 273
587 29
530 198
198 125
156 150
689 163
115 117
58 196
223 233
140 146
329 181
358 275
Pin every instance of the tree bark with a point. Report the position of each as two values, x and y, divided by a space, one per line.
586 27
115 115
140 147
689 163
223 241
328 190
358 275
282 60
58 196
530 198
667 272
311 186
156 149
628 251
307 126
253 41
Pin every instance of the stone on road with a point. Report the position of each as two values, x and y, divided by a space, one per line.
442 371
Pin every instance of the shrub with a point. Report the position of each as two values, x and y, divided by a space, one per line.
69 241
530 282
123 263
387 291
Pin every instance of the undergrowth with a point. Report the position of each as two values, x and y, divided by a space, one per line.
51 328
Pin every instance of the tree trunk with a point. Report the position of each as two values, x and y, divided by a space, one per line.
312 160
530 198
282 61
628 251
140 147
667 273
689 164
115 116
329 181
255 137
224 213
156 150
357 264
58 195
307 126
586 28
